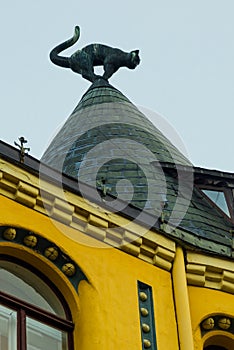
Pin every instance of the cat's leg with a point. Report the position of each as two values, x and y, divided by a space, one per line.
81 63
109 70
89 75
87 70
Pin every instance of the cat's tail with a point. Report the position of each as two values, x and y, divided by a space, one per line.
61 60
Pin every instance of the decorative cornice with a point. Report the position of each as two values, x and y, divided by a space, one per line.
210 272
25 188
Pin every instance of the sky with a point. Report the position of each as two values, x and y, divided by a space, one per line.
186 74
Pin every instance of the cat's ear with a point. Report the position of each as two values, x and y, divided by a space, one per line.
135 57
135 53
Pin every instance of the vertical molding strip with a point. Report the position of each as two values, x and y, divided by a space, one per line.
182 302
147 322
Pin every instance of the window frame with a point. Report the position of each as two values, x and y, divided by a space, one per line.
220 338
25 309
227 196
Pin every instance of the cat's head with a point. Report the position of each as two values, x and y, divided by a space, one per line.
135 59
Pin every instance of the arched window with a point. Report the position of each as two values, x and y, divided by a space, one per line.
33 313
219 340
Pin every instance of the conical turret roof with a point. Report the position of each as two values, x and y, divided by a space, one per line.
108 142
110 145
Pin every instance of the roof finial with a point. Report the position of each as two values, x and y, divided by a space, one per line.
23 150
84 60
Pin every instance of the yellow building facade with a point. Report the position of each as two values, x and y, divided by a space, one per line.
76 274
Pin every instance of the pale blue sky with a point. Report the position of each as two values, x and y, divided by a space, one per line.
186 72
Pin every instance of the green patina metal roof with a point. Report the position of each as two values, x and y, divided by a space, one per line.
109 144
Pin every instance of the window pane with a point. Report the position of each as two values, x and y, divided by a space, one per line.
219 199
25 285
41 337
7 329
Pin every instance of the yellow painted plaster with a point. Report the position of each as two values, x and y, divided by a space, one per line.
206 302
182 302
105 312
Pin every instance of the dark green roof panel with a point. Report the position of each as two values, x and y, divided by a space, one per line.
107 142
